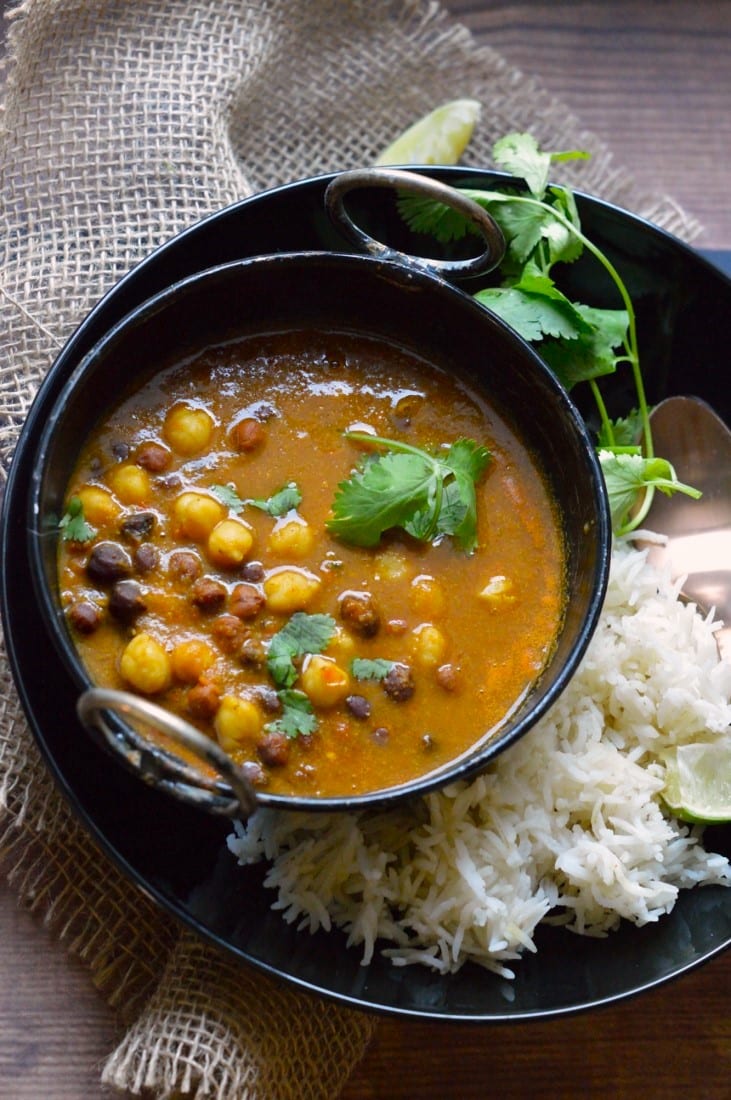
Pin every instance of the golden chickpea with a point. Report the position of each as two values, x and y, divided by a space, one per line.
426 596
237 723
229 542
289 590
190 659
188 429
145 665
391 566
197 514
341 645
130 483
99 505
323 681
429 645
497 592
291 538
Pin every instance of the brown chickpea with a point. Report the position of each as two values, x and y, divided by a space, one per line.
247 434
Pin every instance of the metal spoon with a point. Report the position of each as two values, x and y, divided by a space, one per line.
688 433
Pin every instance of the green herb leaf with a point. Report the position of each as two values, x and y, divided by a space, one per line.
385 493
581 344
280 502
565 240
535 309
524 225
465 457
591 354
426 495
520 154
297 715
626 475
467 460
435 218
73 525
625 431
229 497
302 634
364 668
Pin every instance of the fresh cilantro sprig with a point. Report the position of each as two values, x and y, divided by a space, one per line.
628 474
73 525
581 344
297 715
281 502
229 497
426 495
278 504
367 668
301 635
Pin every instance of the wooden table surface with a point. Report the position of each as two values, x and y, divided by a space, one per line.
653 80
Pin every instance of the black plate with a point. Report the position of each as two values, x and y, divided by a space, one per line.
177 854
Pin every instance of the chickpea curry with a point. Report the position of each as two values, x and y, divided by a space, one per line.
332 557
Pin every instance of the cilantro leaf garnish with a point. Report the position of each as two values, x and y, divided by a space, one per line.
627 474
426 495
280 502
591 354
229 497
297 715
625 431
580 344
73 525
535 309
364 668
302 634
520 154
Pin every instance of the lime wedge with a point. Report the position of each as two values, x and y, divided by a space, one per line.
698 782
439 138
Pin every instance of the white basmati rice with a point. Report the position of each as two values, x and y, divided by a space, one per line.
568 822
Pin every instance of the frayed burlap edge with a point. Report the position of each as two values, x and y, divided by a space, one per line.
86 901
205 1042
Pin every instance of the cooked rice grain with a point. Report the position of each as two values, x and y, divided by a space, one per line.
567 825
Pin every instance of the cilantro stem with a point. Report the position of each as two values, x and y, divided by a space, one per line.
633 355
633 358
389 444
633 523
603 414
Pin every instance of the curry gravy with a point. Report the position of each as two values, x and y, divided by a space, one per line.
159 604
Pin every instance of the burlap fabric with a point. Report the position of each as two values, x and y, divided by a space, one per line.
125 121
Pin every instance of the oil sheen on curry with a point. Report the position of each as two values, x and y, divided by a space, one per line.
330 556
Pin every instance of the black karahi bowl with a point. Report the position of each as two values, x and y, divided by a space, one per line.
383 296
177 855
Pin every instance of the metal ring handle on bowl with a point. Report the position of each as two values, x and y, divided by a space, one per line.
425 187
235 797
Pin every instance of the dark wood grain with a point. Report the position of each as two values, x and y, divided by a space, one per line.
55 1029
673 1042
652 80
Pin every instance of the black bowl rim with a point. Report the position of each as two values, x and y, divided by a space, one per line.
88 807
469 763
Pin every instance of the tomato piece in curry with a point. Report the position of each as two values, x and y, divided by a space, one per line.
206 577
